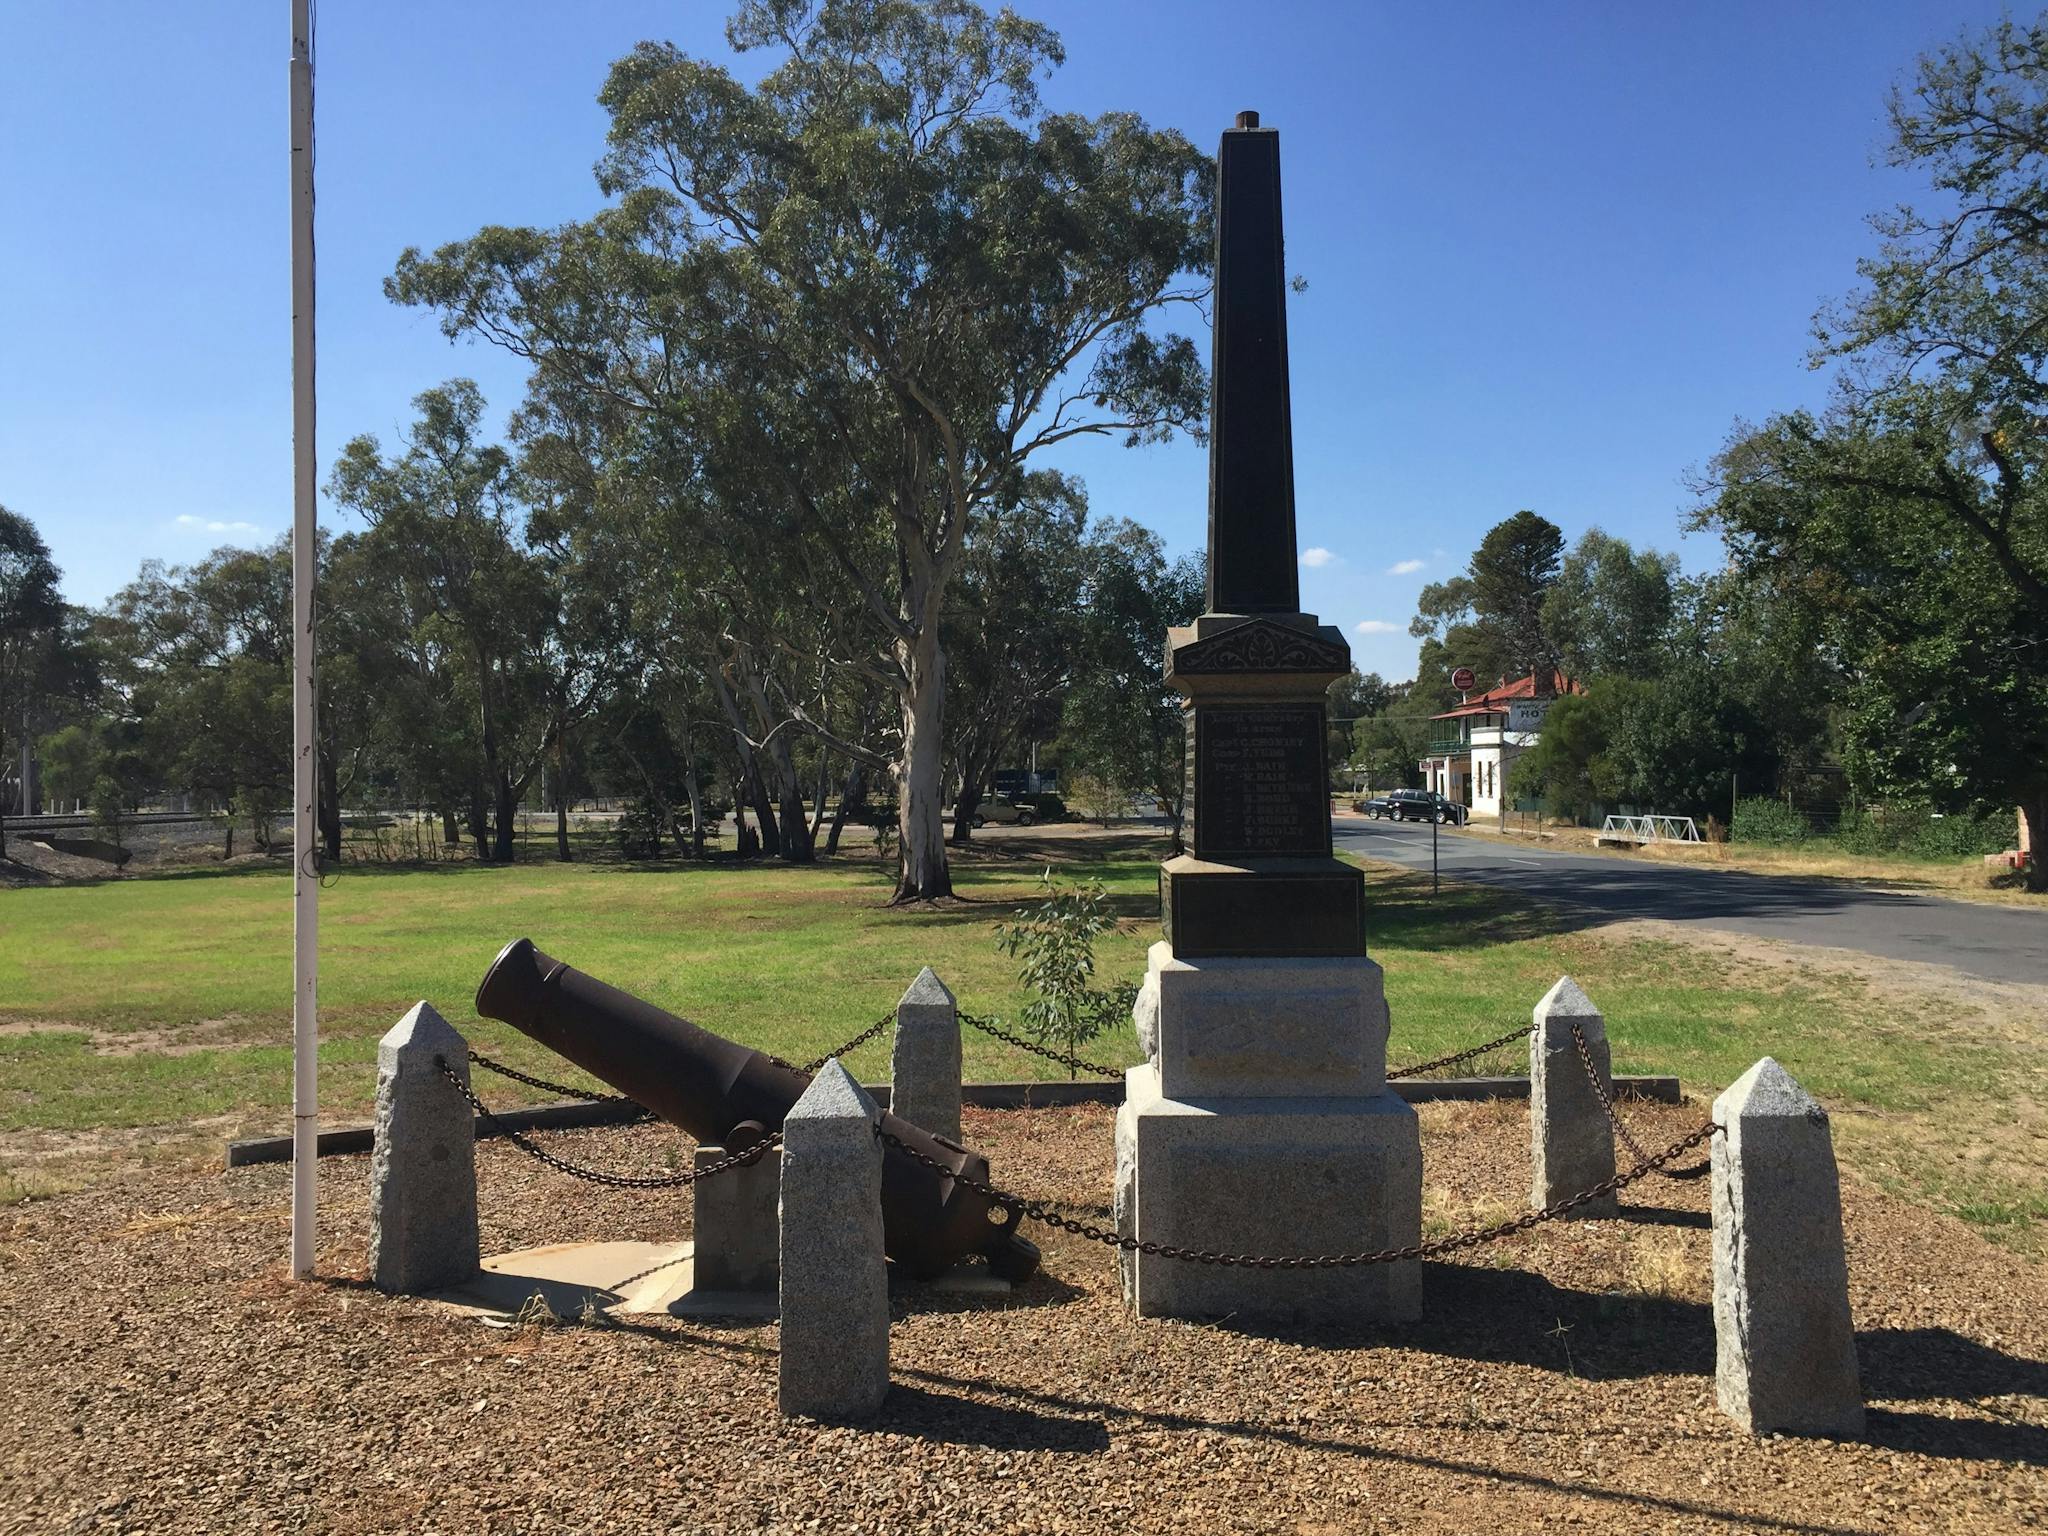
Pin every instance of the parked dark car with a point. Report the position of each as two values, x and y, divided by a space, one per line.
1376 807
1420 805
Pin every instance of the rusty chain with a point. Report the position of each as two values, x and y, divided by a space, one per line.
1646 1163
1066 1059
564 1089
810 1067
1457 1056
598 1175
1614 1118
1039 1211
1073 1062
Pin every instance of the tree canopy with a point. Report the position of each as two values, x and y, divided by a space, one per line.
1908 520
1490 618
855 300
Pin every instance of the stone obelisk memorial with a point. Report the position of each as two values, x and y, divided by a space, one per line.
1261 1121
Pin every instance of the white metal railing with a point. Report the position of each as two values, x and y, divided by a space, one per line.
1651 829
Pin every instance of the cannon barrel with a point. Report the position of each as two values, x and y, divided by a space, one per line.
710 1086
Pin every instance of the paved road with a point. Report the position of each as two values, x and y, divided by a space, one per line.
1996 943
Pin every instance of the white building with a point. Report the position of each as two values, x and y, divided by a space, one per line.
1474 745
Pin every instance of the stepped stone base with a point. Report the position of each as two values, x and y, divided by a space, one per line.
1272 1174
1244 1027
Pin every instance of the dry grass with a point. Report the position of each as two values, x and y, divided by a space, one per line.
1660 1266
1445 1211
1963 879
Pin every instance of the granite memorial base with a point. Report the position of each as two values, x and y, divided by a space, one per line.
1238 1025
1262 1124
1295 1175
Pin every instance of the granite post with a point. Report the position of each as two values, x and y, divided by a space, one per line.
423 1234
1784 1343
738 1235
1262 1120
1571 1143
924 1068
834 1362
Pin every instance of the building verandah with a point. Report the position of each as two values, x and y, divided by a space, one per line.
1473 745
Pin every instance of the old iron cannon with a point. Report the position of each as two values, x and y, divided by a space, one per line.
724 1094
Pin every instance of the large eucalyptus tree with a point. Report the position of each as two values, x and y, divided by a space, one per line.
868 291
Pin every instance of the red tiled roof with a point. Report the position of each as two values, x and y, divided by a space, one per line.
1497 699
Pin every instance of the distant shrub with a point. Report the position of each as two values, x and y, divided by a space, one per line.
1764 820
641 828
1917 831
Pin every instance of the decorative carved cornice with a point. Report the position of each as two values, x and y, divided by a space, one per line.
1261 646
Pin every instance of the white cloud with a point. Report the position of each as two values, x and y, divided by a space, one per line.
214 524
1404 567
1375 627
1317 556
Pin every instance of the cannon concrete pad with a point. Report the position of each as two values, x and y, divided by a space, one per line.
964 1279
565 1275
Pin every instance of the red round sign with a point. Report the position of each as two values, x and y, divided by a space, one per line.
1462 679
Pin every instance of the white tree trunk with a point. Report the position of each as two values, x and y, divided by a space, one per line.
697 829
920 787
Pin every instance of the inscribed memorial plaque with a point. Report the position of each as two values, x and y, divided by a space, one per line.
1259 781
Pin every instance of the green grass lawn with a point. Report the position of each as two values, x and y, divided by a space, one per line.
163 1001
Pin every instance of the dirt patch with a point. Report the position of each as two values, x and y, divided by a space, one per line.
206 1035
37 863
1561 1379
152 847
106 1154
13 871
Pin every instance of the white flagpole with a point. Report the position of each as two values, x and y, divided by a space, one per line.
305 781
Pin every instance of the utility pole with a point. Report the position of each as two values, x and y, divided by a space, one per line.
305 780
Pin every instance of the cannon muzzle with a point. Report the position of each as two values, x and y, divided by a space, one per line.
711 1087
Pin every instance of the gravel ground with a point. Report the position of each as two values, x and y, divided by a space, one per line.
162 1375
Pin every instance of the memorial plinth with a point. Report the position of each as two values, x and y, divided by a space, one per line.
1261 1121
1260 879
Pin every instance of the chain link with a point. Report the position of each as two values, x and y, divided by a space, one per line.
566 1090
809 1068
1453 1059
599 1175
1039 1211
1066 1059
1614 1119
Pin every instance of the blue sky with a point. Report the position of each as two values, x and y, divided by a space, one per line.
1553 251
